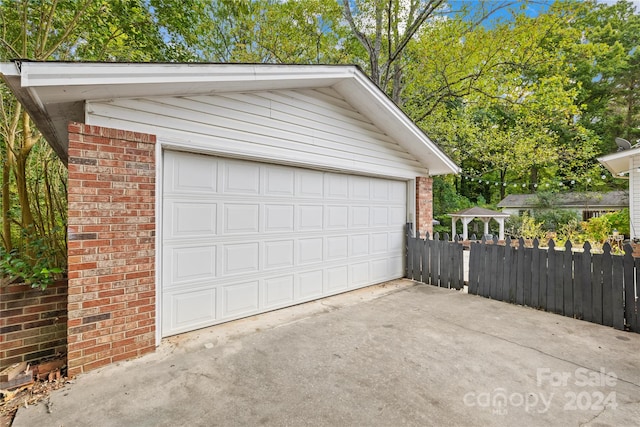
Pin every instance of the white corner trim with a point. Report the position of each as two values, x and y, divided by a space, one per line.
158 240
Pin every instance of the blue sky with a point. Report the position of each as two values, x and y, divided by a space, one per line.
533 7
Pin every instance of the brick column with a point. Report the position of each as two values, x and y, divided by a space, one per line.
111 226
424 205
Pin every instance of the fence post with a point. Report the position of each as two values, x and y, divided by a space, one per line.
483 282
617 289
493 269
526 282
567 280
630 314
584 286
426 246
607 285
407 250
535 275
458 263
499 271
551 277
416 273
596 286
474 267
445 262
506 272
519 294
435 260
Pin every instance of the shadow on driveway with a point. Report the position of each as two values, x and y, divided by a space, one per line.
395 354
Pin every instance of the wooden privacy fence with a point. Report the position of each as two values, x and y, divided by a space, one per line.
434 261
596 287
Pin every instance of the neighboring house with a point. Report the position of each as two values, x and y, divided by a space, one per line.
203 193
625 164
586 204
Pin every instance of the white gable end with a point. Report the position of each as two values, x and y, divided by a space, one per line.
304 127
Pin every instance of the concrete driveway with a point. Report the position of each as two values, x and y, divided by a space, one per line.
397 354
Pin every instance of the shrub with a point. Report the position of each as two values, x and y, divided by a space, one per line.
524 226
34 265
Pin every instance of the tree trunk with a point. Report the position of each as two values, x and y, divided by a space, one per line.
6 204
20 173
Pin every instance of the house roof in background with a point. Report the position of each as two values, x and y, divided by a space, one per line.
54 93
591 199
477 212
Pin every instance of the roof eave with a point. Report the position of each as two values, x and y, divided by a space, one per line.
35 85
619 162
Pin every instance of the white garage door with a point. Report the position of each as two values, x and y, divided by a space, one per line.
241 237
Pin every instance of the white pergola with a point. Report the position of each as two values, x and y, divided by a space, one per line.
485 215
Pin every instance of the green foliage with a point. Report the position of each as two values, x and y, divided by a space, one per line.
524 226
554 219
446 200
34 264
597 229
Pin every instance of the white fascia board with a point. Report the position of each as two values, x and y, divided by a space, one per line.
37 74
619 162
9 69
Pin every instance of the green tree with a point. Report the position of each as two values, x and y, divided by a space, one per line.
33 180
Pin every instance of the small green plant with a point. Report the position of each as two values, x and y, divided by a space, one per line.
525 226
597 229
33 265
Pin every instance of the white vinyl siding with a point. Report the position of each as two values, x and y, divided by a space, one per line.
308 127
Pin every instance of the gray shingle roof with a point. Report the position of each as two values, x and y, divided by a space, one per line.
591 199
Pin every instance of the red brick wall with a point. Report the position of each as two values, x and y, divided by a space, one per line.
424 204
111 226
33 323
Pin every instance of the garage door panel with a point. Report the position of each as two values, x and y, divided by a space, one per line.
380 269
359 273
278 291
359 245
396 266
241 258
379 243
241 218
190 219
360 188
379 216
186 174
337 247
278 254
396 242
309 184
380 190
310 284
183 310
337 217
359 217
279 181
396 215
311 217
191 263
279 218
310 250
255 237
337 278
240 298
241 178
336 186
